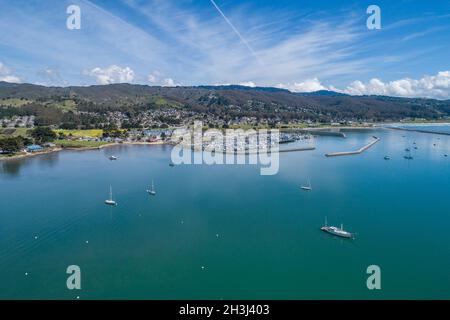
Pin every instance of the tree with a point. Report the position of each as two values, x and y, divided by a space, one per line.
43 135
12 145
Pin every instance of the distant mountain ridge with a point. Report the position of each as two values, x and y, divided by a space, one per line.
323 93
232 101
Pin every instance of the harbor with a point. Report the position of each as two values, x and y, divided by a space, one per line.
216 231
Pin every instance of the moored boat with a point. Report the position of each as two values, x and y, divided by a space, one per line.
339 232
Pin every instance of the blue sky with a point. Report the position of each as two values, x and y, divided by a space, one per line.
300 45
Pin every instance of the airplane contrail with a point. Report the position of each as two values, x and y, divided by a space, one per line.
234 29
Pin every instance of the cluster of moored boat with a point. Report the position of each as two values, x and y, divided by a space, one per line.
111 202
408 155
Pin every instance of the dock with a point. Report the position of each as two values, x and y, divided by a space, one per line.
298 149
349 153
248 152
326 133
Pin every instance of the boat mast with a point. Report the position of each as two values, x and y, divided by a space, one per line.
110 193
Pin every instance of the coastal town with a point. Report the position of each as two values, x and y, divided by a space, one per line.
92 118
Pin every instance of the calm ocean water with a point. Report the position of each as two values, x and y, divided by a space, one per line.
226 232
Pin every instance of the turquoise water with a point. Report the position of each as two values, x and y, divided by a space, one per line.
256 237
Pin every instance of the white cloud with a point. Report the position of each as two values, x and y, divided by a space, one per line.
248 84
5 75
309 85
111 74
437 86
156 78
169 83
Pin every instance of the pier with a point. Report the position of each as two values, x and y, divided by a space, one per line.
349 153
420 131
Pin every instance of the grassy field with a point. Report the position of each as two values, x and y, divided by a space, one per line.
14 102
160 101
95 133
79 144
13 132
65 106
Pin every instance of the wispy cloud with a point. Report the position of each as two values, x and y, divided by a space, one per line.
191 43
208 50
234 29
421 33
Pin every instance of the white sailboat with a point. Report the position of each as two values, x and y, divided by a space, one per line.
308 187
152 191
340 232
110 201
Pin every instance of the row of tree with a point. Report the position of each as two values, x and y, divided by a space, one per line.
39 135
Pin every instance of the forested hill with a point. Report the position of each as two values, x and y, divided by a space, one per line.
236 100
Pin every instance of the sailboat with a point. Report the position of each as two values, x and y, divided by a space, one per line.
308 187
339 232
152 191
110 201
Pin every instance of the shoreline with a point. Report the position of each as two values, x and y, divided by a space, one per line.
54 150
29 155
311 130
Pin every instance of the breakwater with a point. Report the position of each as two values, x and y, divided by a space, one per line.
349 153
